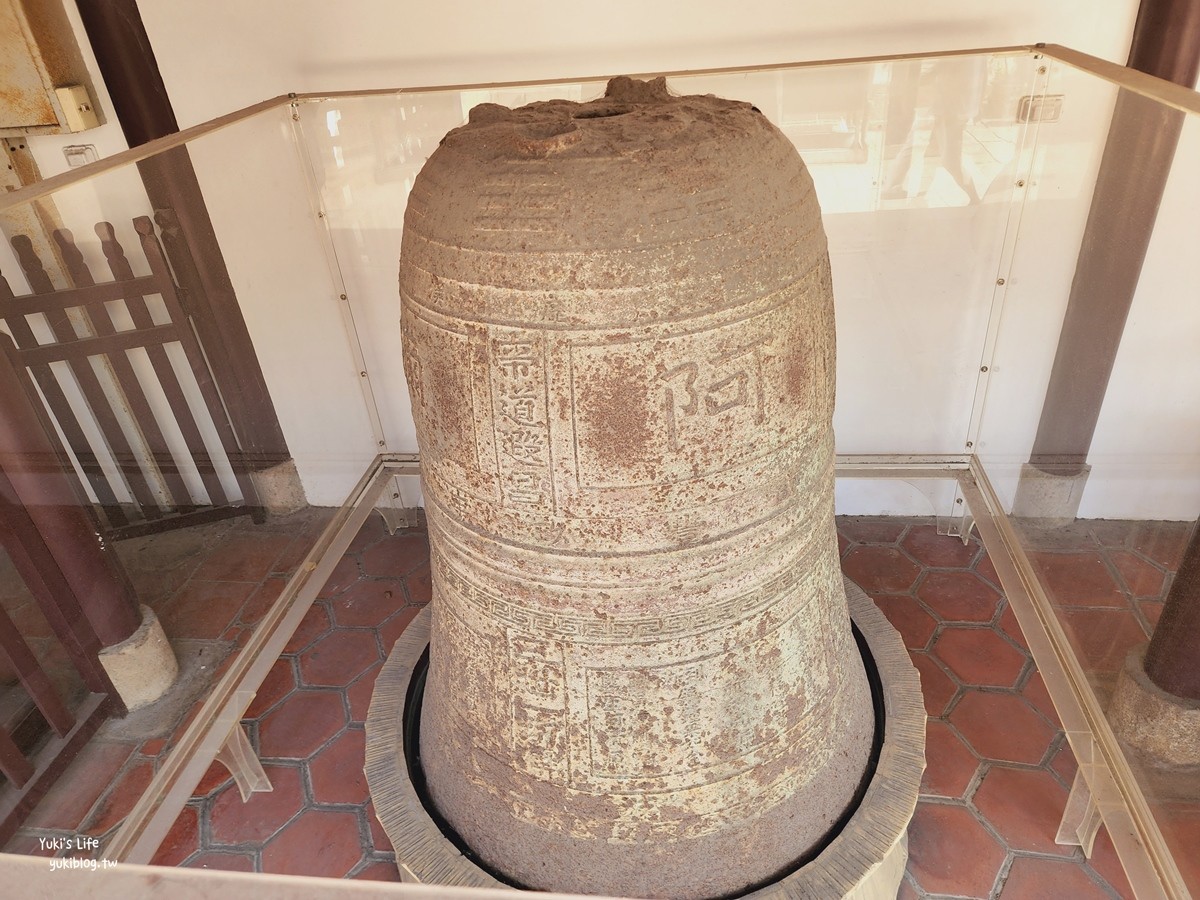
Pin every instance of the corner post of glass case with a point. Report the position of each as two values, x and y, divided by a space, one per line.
1081 819
959 522
1023 187
337 277
238 756
399 501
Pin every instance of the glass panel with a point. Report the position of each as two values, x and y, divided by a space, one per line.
914 163
955 193
127 308
1089 431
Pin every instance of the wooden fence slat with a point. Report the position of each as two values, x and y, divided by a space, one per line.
134 291
62 412
51 760
104 292
33 677
81 348
13 764
127 380
161 271
85 376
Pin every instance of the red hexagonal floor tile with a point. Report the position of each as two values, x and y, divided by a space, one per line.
1152 610
344 574
182 840
1163 542
1002 726
260 601
215 776
378 871
254 821
301 724
1035 692
359 694
986 569
979 656
1180 824
419 583
372 530
958 596
339 657
390 631
204 609
225 862
379 839
319 842
880 570
315 623
937 688
337 771
1009 625
368 603
1107 865
243 556
1063 763
1078 578
950 765
1025 806
1102 638
395 556
1142 578
908 617
928 547
120 800
1031 878
278 683
950 852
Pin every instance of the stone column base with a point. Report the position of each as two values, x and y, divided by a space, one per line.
1048 497
143 666
279 489
1163 727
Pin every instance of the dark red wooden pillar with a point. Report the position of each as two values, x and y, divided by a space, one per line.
52 522
139 98
1137 160
1133 173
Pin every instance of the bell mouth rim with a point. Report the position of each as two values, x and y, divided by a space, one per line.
429 851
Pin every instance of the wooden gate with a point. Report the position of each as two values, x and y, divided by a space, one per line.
151 457
51 702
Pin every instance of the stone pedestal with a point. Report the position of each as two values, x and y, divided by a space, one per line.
1161 726
143 666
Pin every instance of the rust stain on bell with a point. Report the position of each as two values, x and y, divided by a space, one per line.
619 341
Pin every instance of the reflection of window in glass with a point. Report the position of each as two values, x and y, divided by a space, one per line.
331 121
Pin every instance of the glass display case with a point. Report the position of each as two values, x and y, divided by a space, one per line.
245 356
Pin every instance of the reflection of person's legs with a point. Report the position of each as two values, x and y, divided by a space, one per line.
949 130
897 173
900 130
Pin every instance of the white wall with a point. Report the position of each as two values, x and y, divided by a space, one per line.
223 54
219 55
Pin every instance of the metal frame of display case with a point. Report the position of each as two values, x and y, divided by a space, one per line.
1105 788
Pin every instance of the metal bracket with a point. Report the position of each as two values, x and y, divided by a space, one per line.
1081 819
960 521
397 517
243 763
